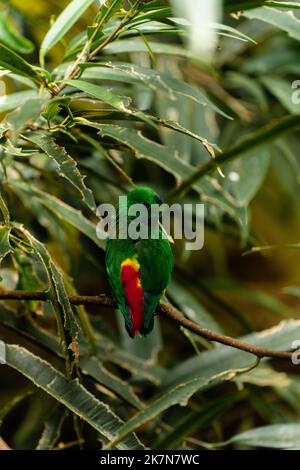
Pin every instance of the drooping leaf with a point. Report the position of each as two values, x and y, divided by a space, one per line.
62 210
67 166
286 21
11 37
14 100
63 24
280 337
178 395
12 61
281 436
71 394
58 293
5 247
52 429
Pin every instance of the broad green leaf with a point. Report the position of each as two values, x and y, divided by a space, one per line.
194 420
63 23
168 159
58 292
178 395
67 166
14 100
92 367
259 138
125 46
12 61
28 113
5 247
71 394
286 21
12 39
28 279
283 91
280 337
52 429
14 401
245 176
62 210
281 436
95 369
161 83
106 96
191 306
232 6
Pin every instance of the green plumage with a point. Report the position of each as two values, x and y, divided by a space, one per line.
154 261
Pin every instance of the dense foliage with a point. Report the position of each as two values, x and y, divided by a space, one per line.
103 96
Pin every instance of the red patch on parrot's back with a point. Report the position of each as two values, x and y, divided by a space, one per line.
131 281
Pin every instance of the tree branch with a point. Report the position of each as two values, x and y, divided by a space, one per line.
163 309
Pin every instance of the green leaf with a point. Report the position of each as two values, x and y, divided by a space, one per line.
14 100
52 429
191 307
58 291
277 436
67 166
12 61
62 210
12 39
165 157
95 369
71 394
282 90
178 395
63 24
286 21
221 358
246 175
5 247
29 112
160 83
28 279
106 96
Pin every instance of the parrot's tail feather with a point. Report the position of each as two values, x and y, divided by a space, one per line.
131 281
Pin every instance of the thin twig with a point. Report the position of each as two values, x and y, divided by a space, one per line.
163 309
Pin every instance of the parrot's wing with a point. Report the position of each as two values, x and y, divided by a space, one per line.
156 263
116 252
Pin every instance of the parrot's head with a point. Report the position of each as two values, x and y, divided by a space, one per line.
145 196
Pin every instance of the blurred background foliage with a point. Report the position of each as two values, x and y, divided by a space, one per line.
169 89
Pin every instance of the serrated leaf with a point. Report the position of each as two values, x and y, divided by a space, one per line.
52 429
58 291
63 24
277 436
5 247
179 395
67 166
286 21
167 158
62 210
279 337
71 394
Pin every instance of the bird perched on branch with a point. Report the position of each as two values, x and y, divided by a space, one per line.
139 267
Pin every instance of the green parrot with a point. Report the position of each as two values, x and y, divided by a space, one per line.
139 269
